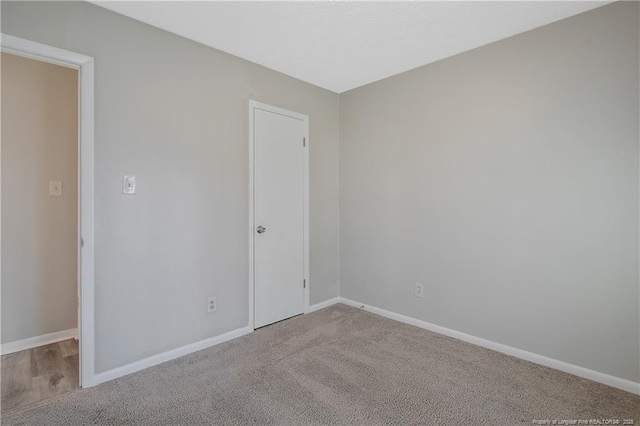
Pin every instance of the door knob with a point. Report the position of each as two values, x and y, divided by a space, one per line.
261 229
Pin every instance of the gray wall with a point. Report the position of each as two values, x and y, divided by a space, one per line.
39 240
505 179
174 113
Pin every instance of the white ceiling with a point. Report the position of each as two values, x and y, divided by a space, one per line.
343 45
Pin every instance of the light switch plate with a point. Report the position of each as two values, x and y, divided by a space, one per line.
55 188
128 185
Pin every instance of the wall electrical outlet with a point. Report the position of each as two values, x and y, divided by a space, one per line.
418 290
212 304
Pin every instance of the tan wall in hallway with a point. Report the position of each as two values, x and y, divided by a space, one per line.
39 232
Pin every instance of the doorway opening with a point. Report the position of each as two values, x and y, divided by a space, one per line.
40 222
46 260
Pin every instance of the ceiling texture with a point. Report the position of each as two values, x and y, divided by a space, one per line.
343 45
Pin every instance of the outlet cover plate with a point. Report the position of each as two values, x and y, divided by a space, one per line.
419 290
212 304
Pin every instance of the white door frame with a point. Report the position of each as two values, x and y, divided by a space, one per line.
253 105
84 65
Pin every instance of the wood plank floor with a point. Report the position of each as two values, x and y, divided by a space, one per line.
40 373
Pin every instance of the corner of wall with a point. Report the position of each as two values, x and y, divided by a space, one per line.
338 190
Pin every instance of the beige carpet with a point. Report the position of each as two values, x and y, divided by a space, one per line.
339 365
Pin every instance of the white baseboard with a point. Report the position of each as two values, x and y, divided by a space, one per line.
324 304
34 342
616 382
168 356
185 350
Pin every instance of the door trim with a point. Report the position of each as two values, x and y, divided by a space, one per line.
254 105
84 65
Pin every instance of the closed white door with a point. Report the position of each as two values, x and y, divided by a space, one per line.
279 187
